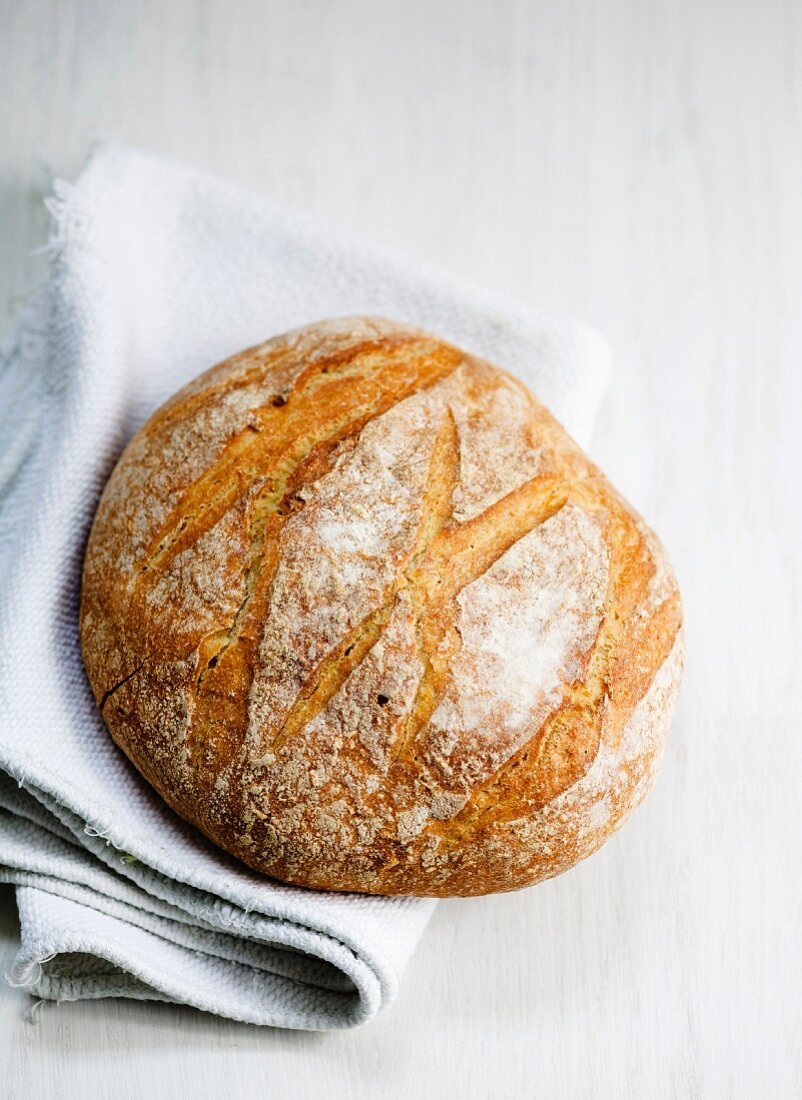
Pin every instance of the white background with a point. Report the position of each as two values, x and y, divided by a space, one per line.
637 164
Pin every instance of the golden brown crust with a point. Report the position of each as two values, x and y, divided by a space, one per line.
358 608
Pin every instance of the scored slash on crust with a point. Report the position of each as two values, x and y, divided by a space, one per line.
581 708
309 456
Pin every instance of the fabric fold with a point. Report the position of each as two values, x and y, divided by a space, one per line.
157 271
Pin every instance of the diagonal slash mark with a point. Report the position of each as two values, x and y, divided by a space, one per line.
108 694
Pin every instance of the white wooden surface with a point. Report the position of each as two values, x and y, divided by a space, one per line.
637 163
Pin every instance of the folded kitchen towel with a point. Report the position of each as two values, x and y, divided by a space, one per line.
156 272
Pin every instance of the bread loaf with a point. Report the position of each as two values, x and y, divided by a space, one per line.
359 609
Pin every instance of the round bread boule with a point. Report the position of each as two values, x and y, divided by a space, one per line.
359 609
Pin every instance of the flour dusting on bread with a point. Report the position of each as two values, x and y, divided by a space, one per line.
360 609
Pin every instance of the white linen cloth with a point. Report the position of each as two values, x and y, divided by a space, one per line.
158 271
